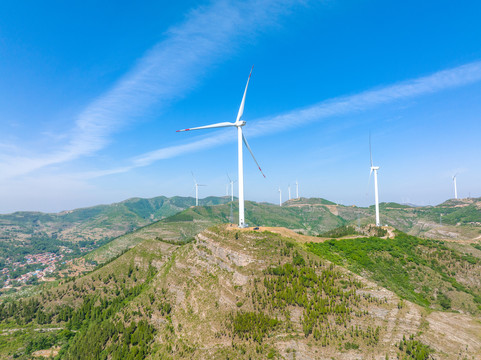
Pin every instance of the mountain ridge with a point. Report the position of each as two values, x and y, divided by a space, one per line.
230 293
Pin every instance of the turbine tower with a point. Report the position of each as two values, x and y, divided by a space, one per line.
376 194
239 123
196 186
297 190
455 187
280 197
289 190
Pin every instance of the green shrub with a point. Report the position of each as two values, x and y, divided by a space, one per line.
350 345
340 232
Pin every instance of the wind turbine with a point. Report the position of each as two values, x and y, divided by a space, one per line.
455 187
231 182
376 195
289 190
297 190
239 123
280 196
196 186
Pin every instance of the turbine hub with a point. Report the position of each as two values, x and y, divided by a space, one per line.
240 123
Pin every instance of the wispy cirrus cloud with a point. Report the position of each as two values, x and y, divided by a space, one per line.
439 81
165 73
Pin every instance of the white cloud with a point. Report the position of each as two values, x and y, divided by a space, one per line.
442 80
165 73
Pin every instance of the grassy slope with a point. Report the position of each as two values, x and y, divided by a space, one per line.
427 272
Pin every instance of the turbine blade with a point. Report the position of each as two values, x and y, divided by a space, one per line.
195 181
241 108
249 148
369 181
218 125
228 177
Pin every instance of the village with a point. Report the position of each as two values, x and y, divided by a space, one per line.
47 263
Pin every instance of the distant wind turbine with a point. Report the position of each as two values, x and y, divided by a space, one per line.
196 186
297 189
240 138
231 182
455 187
289 190
280 197
376 195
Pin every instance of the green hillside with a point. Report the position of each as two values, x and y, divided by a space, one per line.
114 228
427 272
184 225
232 294
309 216
71 234
94 224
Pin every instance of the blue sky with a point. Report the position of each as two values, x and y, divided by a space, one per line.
91 94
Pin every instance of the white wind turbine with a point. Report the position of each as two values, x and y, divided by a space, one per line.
231 182
455 187
239 123
376 194
297 190
289 190
196 186
280 197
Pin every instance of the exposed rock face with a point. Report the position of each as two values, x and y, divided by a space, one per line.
215 276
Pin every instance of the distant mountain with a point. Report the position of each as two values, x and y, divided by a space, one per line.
93 222
27 232
114 228
309 216
454 219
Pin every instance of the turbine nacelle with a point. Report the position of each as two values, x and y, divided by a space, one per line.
376 195
240 123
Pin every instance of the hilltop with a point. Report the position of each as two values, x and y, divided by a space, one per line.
242 294
183 226
455 219
123 225
307 216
